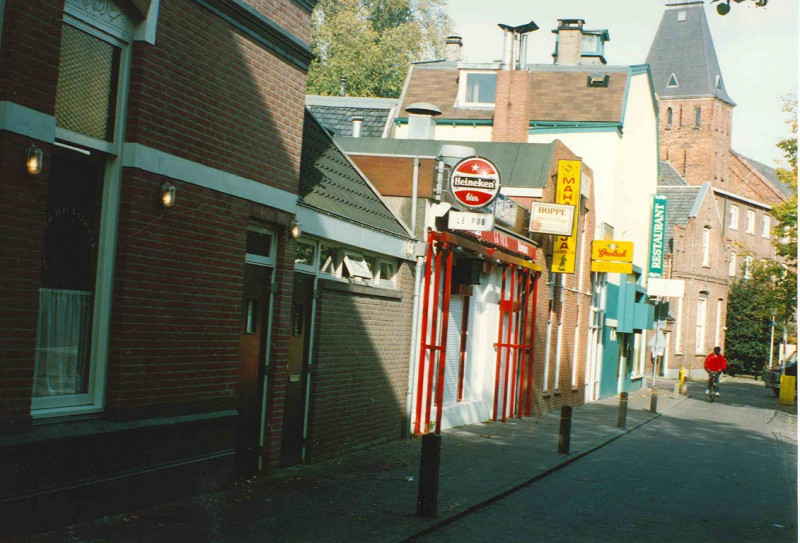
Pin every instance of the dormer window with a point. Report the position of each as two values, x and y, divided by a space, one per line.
673 81
590 43
718 81
681 16
478 88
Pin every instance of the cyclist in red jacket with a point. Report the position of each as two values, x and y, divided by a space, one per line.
715 363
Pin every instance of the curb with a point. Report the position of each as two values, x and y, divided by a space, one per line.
439 523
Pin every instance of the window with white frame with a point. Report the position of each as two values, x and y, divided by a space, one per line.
766 226
706 243
700 326
751 221
732 265
351 264
733 221
83 190
748 267
478 88
678 323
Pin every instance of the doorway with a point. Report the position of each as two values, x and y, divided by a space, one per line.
251 368
297 372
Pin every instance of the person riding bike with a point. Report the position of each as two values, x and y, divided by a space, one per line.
714 365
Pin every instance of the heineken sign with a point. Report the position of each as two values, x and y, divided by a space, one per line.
658 225
475 182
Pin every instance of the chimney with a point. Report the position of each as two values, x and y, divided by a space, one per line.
452 48
357 126
421 122
515 45
342 86
568 41
575 45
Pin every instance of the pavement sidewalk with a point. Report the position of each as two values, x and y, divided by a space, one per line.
370 496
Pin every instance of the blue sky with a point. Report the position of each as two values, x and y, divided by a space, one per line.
757 50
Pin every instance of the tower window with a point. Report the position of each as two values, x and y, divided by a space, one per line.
697 117
669 117
673 81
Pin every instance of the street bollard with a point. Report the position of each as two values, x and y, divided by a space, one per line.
623 409
565 429
654 400
428 490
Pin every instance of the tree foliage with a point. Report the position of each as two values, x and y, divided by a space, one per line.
372 42
786 212
724 6
751 305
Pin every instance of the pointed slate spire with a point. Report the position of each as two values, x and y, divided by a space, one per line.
683 52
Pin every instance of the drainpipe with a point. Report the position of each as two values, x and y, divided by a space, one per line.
262 431
413 362
414 191
310 361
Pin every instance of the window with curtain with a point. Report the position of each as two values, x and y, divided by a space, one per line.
706 243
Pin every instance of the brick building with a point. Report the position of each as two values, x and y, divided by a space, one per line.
550 314
164 329
603 113
695 127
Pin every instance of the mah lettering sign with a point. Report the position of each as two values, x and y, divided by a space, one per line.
568 192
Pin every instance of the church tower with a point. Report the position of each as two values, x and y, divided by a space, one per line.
695 111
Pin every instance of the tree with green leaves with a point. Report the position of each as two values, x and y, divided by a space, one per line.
786 212
724 6
372 42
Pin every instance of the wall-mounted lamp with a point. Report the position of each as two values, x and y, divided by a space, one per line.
168 191
295 229
35 159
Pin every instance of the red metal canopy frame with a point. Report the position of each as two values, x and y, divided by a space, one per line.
515 345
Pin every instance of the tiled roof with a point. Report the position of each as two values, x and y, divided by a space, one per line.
683 47
669 176
768 173
336 113
682 204
558 93
520 164
331 184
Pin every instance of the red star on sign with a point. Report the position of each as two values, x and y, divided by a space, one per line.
477 166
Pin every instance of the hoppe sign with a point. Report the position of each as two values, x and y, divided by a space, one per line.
475 182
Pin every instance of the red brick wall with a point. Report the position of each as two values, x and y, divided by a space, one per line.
217 98
698 154
574 307
360 371
712 279
511 119
287 14
29 53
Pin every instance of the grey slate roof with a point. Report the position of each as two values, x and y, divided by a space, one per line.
683 203
685 49
331 184
769 173
336 113
520 164
669 176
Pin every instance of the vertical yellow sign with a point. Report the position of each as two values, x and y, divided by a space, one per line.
568 191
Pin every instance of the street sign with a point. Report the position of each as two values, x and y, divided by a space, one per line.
568 192
551 219
658 224
668 288
477 222
475 182
658 343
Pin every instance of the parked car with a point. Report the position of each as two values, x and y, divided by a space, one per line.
772 376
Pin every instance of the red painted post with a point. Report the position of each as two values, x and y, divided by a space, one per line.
508 397
443 347
533 342
434 323
499 347
423 345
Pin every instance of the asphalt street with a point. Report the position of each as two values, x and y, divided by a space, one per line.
703 472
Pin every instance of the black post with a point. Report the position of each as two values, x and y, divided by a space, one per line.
565 429
429 460
654 400
623 409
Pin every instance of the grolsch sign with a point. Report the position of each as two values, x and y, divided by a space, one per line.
474 182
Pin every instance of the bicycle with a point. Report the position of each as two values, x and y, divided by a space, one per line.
713 386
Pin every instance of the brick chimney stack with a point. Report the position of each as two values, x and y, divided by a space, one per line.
452 48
